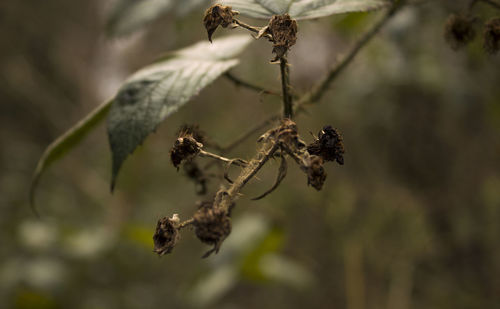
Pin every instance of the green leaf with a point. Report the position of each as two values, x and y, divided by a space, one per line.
302 9
127 16
157 91
65 142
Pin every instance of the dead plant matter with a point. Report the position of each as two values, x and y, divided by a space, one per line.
329 145
166 235
218 15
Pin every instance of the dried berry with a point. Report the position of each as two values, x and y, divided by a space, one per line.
212 225
459 31
316 174
283 30
185 147
218 15
329 145
491 42
166 235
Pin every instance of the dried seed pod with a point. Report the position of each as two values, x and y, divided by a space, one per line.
212 225
491 42
283 30
217 15
329 145
316 174
459 31
185 147
166 235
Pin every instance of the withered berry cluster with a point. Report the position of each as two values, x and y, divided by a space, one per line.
460 29
212 220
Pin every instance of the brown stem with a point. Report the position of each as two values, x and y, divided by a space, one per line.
239 82
237 162
247 26
186 223
285 85
225 198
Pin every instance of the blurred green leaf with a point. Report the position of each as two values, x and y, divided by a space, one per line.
157 91
138 234
302 9
270 244
65 142
129 15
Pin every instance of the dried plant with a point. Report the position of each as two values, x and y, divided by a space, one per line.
157 91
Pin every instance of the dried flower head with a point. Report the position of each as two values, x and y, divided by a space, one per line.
316 174
283 30
217 15
329 145
166 235
185 147
194 130
459 31
212 225
491 42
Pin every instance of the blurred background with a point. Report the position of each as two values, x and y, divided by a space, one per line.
412 220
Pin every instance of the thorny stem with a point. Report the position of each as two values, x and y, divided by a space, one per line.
237 162
318 91
239 82
226 197
285 84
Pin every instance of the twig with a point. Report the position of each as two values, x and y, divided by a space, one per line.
239 82
285 85
237 162
186 223
225 198
247 26
319 90
243 137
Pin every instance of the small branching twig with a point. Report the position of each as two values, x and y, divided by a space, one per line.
237 162
238 82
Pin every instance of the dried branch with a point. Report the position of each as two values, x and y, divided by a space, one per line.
237 162
239 82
